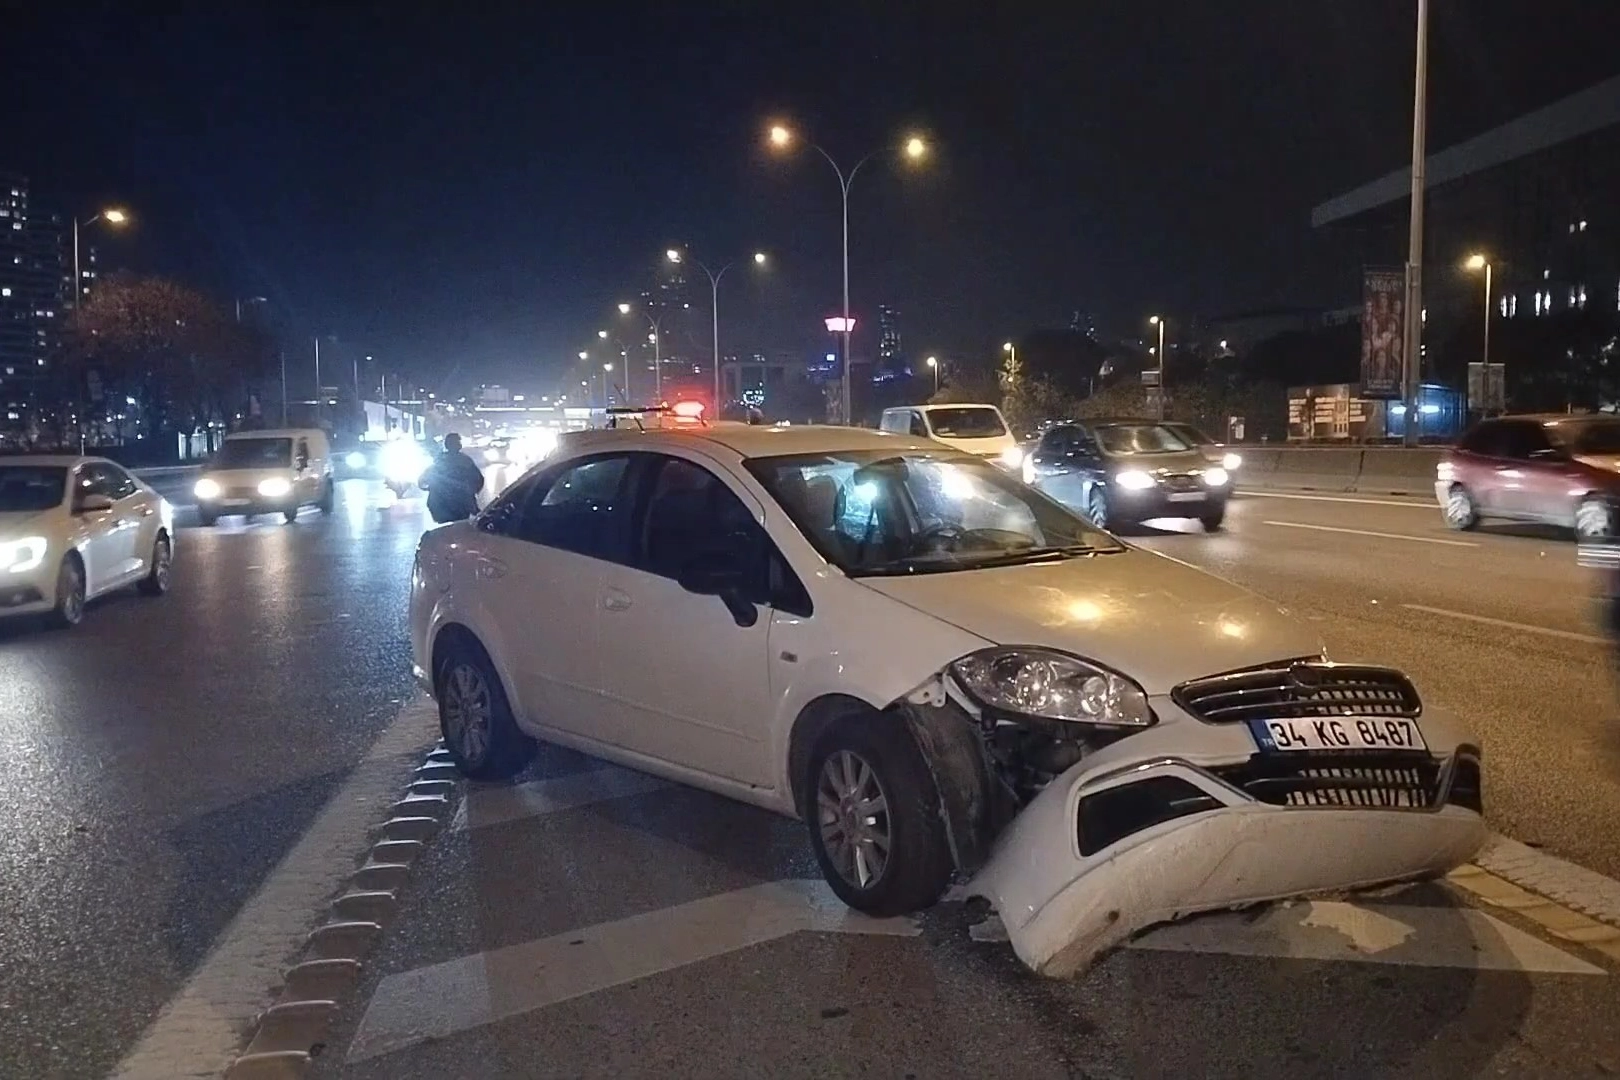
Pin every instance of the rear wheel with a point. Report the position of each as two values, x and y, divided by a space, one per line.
328 497
1460 511
1593 519
475 718
69 610
291 514
156 581
1213 520
874 819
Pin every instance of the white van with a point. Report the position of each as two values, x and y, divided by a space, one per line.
267 472
975 429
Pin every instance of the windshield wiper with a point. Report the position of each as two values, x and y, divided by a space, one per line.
943 562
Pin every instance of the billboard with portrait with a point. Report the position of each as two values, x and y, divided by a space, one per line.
1383 325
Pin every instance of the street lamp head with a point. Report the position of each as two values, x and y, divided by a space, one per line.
602 334
1476 261
759 258
653 336
115 216
1153 320
781 137
672 255
583 355
1006 346
607 365
624 309
916 148
933 361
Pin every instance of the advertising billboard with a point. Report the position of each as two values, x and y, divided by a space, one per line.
1383 323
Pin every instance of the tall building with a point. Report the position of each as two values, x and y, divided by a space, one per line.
888 334
1083 323
33 290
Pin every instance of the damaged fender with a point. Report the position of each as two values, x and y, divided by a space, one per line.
949 739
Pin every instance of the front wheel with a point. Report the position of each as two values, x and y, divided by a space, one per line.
1213 520
69 610
157 579
328 498
874 817
1593 520
1460 512
291 514
1097 507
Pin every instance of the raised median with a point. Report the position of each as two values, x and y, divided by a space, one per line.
1381 470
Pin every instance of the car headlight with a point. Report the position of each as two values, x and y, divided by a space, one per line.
206 489
275 487
1231 461
1134 480
1012 457
1051 686
23 555
1444 471
356 459
1216 477
404 463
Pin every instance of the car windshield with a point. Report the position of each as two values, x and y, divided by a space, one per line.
254 454
1190 435
873 512
1140 439
970 422
26 489
1592 437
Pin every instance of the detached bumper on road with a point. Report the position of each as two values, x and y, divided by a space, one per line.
1191 841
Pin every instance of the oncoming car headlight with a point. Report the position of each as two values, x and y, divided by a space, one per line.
1051 686
21 556
356 460
1230 461
1133 480
275 487
1216 477
206 489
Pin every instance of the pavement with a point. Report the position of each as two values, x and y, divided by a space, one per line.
194 779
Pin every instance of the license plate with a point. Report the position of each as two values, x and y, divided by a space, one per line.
1338 733
1186 496
235 502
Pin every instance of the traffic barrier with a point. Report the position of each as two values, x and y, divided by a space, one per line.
1392 471
1318 469
1377 470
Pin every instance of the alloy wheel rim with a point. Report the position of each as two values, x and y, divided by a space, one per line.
161 559
467 712
852 813
1459 507
72 593
1591 519
1097 509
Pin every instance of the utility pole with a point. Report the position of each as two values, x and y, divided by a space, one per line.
1412 350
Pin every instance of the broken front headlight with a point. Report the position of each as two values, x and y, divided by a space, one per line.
1052 686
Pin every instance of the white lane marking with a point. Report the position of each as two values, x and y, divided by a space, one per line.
537 798
441 1000
1413 504
1508 624
200 1031
1369 532
1450 937
1586 891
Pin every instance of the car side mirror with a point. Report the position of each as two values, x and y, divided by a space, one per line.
92 504
720 573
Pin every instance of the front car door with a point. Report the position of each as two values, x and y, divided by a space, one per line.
104 546
539 570
687 677
1523 470
137 517
1054 464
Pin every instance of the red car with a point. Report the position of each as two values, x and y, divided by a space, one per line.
1558 469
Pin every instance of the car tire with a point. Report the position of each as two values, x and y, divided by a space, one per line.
475 717
328 498
70 593
291 514
1097 507
207 518
1460 511
1213 520
1593 519
874 759
156 581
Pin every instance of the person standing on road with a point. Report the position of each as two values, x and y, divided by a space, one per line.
452 483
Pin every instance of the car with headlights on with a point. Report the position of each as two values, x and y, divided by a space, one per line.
943 673
264 472
1120 473
979 430
74 528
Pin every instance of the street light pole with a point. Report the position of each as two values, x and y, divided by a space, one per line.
658 356
933 362
112 217
1159 409
675 256
1413 331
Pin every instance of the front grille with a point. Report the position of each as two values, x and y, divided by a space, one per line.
1302 690
242 493
1181 482
1397 781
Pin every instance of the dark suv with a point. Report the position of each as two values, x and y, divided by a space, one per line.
1557 469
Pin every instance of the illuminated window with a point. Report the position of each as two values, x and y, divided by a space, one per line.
5 291
1580 298
1572 296
1538 301
1546 275
1583 225
1513 305
1504 306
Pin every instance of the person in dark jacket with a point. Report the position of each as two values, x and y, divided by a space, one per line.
452 483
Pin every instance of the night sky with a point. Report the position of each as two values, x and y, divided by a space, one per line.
467 189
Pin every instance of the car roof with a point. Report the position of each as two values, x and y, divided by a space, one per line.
65 461
278 433
934 406
747 440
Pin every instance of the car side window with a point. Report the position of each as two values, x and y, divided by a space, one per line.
919 426
1521 440
581 508
119 484
690 510
1484 439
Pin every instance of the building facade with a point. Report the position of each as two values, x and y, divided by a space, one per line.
34 289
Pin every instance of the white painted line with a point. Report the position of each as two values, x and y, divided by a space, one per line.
537 798
200 1031
1369 532
1586 891
1415 503
441 1000
1508 624
1449 937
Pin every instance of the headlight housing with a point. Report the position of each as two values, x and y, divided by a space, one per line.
206 489
1134 480
1051 685
1216 477
1230 461
22 555
275 487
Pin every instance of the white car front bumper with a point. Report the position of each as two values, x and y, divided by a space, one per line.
1066 889
32 592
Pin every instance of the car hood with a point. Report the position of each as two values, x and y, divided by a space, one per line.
1152 618
1184 461
23 523
246 477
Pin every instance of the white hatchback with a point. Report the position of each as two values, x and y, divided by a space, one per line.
73 528
941 671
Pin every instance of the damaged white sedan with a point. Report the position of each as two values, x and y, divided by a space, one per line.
945 674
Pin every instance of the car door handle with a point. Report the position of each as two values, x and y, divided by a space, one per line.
615 600
489 569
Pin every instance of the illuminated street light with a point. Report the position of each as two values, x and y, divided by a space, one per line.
583 355
624 309
839 324
933 362
676 256
914 148
672 255
1478 261
115 216
112 216
759 258
602 334
1154 320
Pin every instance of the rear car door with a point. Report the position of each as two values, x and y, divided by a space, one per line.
1054 463
687 676
538 573
136 516
1525 472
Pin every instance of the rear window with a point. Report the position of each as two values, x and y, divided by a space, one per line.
254 454
973 422
27 489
